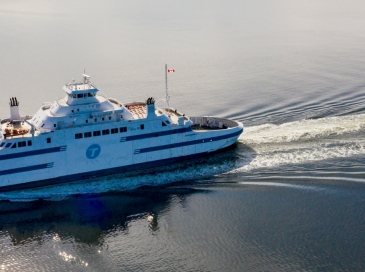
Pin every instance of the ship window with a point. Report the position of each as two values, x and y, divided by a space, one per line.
80 95
102 118
167 121
89 95
123 129
29 143
78 135
110 118
54 125
21 144
114 130
8 144
14 146
43 125
74 95
163 124
87 134
87 121
142 126
96 133
105 131
2 144
48 140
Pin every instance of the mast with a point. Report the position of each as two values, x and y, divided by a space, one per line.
167 94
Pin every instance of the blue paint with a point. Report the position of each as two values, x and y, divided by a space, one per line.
33 153
194 142
26 169
156 134
93 151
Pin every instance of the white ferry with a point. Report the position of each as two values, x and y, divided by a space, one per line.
86 135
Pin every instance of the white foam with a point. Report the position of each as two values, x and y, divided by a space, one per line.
304 141
303 130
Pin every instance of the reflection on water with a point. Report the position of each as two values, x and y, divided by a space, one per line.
77 232
85 218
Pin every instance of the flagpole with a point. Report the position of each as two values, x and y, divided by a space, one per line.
167 95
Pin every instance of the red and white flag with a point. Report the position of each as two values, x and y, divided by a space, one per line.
171 70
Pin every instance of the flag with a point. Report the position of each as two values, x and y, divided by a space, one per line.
171 70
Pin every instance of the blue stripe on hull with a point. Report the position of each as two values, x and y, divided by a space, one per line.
201 141
26 169
33 153
156 134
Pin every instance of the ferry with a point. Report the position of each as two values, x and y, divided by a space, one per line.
86 135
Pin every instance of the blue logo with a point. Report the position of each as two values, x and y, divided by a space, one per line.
93 151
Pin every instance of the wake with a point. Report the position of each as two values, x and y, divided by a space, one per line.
304 141
304 130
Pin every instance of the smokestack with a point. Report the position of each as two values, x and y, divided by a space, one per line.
14 109
150 108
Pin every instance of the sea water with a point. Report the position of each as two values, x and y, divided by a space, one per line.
289 195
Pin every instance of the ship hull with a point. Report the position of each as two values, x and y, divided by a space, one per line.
100 173
65 159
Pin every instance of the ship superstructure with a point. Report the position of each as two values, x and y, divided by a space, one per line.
85 134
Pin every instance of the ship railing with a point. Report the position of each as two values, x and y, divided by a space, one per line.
213 122
172 111
88 85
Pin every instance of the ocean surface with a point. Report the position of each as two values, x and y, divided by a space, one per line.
288 196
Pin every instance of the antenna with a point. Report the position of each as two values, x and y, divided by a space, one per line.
86 79
167 94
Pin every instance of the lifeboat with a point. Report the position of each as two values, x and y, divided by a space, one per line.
15 129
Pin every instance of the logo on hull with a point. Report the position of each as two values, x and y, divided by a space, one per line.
93 151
